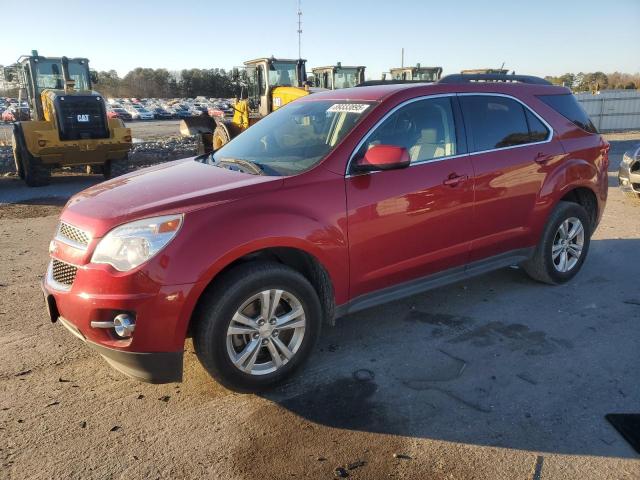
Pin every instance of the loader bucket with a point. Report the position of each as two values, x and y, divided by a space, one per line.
197 125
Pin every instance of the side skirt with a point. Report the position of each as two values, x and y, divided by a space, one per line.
435 280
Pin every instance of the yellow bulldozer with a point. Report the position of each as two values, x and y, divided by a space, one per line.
338 76
68 122
271 83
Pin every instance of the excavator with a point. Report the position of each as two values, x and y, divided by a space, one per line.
68 122
271 84
338 76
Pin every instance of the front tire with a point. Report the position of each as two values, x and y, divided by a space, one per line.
256 325
564 245
115 168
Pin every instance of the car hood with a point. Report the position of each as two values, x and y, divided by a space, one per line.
175 187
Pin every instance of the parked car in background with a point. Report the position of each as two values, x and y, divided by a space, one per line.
181 113
15 113
161 113
629 173
461 177
118 112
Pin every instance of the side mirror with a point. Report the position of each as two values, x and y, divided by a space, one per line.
383 157
94 76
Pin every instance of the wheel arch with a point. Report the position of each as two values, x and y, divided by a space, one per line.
294 257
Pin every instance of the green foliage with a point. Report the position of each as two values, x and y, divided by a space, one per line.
595 81
160 83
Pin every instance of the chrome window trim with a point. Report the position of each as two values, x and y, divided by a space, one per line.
62 239
439 159
544 122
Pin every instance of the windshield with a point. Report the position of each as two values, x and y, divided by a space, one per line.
345 78
49 75
283 75
295 138
428 75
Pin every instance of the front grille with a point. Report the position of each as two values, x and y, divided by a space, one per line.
63 273
74 234
81 117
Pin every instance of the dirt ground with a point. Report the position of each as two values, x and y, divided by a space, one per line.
493 378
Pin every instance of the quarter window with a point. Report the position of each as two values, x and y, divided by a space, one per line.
499 122
425 128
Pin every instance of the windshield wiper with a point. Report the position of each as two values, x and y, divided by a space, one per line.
258 168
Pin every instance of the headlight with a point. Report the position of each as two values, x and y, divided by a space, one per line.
129 245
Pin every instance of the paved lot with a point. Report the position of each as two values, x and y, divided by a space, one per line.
495 378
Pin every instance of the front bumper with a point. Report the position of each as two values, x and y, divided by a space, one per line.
629 177
154 353
152 367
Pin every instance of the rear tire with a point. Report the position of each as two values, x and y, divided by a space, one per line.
220 137
279 349
16 148
30 168
94 169
555 259
115 168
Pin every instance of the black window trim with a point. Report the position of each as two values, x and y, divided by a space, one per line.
471 146
461 129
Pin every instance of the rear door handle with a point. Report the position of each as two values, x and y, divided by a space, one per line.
454 179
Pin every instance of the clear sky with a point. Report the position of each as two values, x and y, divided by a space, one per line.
540 37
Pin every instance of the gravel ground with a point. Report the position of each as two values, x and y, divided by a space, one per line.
494 378
154 142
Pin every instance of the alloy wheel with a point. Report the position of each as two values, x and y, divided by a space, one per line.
266 332
567 245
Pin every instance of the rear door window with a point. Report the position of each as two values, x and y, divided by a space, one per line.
499 122
567 106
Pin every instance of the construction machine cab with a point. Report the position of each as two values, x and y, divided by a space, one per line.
265 75
68 121
417 73
338 76
37 74
271 83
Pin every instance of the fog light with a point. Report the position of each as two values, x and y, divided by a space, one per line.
42 143
123 325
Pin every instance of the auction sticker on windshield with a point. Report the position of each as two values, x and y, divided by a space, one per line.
348 108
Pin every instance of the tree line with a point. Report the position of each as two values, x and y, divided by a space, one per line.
161 83
595 81
216 82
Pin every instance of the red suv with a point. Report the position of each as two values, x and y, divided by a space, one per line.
337 202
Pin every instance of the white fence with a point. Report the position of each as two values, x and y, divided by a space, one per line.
613 109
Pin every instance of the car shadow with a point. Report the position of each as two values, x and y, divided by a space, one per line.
498 360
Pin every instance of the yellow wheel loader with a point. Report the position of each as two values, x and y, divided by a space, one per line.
69 123
271 83
417 73
337 76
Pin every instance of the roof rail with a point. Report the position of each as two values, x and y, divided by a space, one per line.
369 83
493 77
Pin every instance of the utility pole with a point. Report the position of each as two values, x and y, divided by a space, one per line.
402 58
299 29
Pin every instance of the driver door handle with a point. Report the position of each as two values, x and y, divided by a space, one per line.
454 179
